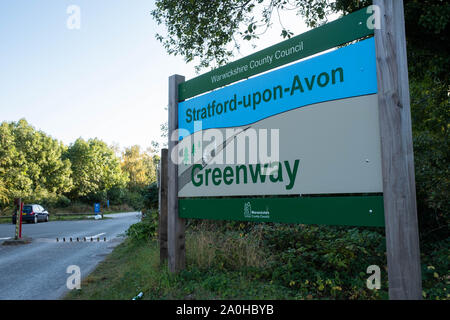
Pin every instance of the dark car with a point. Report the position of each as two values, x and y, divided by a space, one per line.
32 213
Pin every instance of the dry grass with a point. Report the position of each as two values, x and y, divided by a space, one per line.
206 249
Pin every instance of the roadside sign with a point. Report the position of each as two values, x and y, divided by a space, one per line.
340 149
324 112
97 207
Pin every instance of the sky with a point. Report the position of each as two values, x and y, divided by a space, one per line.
106 80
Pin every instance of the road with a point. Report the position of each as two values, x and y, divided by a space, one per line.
38 270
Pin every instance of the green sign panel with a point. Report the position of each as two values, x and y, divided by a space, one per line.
354 211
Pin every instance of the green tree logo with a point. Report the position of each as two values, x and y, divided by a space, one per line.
247 210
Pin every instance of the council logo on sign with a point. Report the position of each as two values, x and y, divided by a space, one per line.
247 210
249 213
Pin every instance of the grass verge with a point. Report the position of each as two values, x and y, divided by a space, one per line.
257 261
134 267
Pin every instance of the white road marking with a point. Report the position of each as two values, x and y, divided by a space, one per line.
5 238
96 236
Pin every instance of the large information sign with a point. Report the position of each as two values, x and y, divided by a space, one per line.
300 144
319 119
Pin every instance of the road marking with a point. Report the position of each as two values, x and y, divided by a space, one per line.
97 235
5 238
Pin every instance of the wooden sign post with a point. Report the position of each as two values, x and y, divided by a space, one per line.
175 224
399 190
162 178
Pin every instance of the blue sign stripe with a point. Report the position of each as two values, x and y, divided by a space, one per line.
343 73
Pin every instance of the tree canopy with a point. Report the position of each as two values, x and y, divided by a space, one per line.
31 162
211 30
95 167
139 166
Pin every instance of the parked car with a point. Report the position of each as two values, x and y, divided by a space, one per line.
32 213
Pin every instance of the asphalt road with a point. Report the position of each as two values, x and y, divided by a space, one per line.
38 270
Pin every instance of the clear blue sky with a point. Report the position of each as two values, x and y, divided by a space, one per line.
106 80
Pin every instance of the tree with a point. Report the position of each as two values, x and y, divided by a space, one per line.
13 167
213 30
96 168
139 166
31 163
3 193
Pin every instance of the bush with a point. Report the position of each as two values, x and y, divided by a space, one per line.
74 207
306 261
430 122
324 261
134 199
435 270
97 197
147 229
48 199
62 202
431 157
151 196
116 195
